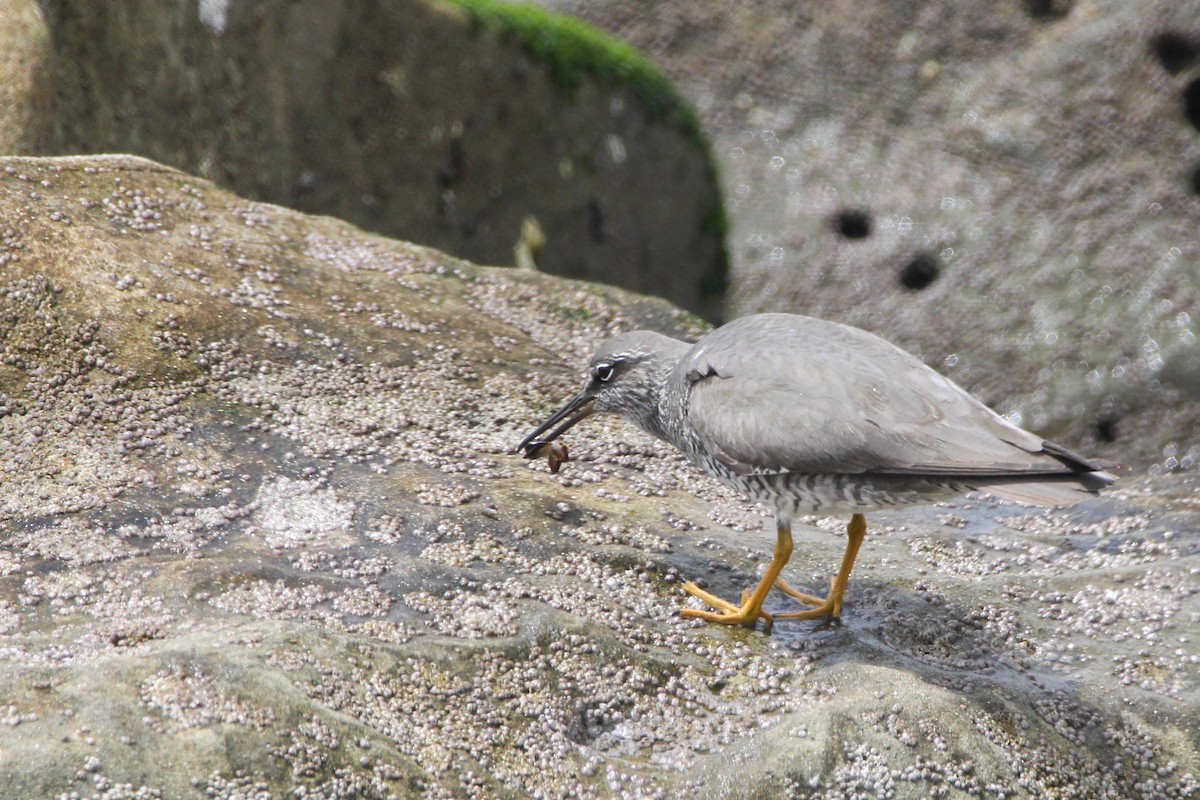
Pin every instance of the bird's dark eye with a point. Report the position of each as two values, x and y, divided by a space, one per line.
603 372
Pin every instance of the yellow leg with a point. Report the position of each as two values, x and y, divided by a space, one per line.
831 606
750 611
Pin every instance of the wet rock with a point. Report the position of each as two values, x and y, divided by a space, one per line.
263 534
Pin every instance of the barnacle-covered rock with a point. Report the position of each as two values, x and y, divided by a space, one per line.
262 533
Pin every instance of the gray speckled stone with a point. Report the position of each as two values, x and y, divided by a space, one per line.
262 536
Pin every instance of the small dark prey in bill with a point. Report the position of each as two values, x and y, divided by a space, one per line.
814 417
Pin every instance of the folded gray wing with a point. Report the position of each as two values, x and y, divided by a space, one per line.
809 396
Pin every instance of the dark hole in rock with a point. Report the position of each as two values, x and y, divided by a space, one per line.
1106 429
1047 9
597 225
920 272
1174 51
454 167
1196 179
852 224
1191 103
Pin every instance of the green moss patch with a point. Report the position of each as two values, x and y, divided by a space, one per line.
572 49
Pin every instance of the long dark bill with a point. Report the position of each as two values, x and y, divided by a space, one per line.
578 408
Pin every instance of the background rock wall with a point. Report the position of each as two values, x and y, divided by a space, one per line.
442 123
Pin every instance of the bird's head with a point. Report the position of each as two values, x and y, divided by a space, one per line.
624 377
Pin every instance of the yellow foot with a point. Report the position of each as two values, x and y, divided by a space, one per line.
828 608
729 614
807 599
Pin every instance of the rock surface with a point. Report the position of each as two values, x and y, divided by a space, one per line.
449 124
262 536
1010 189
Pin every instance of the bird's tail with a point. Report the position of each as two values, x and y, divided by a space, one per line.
1048 490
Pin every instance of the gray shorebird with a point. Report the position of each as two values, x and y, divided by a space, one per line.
814 417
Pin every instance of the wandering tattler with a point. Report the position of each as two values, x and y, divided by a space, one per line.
814 417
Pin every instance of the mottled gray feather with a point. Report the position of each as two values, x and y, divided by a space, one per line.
790 393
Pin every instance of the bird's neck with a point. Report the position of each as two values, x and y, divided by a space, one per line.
663 411
643 410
